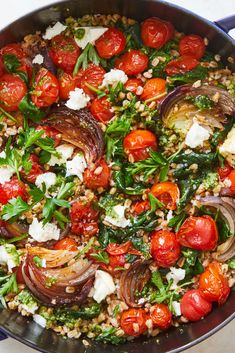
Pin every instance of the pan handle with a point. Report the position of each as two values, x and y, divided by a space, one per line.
3 336
226 23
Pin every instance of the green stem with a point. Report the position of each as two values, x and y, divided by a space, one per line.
155 97
86 248
96 90
9 116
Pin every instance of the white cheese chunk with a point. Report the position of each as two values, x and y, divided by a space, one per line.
117 218
227 149
169 216
5 174
91 34
104 285
114 76
196 135
53 31
177 274
38 59
47 179
76 166
65 151
176 308
42 233
40 320
31 308
77 99
9 256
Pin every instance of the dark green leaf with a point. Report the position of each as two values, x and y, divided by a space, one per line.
102 256
14 208
30 110
108 335
11 62
176 221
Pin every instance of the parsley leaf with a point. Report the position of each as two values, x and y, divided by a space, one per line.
30 110
12 159
154 202
15 207
102 256
9 285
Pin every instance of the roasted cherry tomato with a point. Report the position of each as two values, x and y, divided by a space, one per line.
138 143
161 316
199 233
167 192
12 91
231 177
52 133
84 218
194 306
64 52
155 32
140 206
153 88
192 45
213 284
225 171
12 189
181 65
67 83
98 176
132 84
46 89
116 261
132 62
118 249
94 76
15 50
133 322
111 43
35 171
66 244
101 109
165 248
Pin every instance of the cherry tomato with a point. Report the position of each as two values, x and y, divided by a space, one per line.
35 171
161 316
167 192
213 284
52 133
140 206
133 322
12 189
181 65
12 91
84 218
66 244
194 306
97 177
116 261
132 62
198 233
192 45
225 171
155 32
94 76
165 248
118 249
132 84
153 88
111 43
138 143
15 50
64 52
46 89
231 177
67 83
101 109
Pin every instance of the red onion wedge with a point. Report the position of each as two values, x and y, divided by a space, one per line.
53 258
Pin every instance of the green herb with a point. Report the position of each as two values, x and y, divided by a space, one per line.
30 110
12 64
36 194
108 335
192 264
106 235
202 102
125 182
13 240
26 163
140 245
177 221
188 188
50 207
116 310
88 312
12 158
231 263
86 248
99 92
50 281
132 33
38 261
199 73
89 55
29 137
211 180
108 202
130 258
9 116
154 202
8 285
102 256
15 207
66 190
44 157
220 136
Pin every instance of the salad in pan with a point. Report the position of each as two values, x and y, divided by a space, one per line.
117 179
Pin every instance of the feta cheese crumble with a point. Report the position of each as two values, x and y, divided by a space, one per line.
117 218
177 274
9 256
47 179
114 76
5 172
176 308
227 149
40 320
77 99
53 31
196 135
103 286
43 232
38 59
76 166
65 151
91 34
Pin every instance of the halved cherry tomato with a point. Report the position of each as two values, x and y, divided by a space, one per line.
153 88
35 171
231 177
98 176
84 218
132 84
138 143
12 189
192 45
94 76
194 306
64 52
199 233
140 206
225 171
15 50
46 89
67 83
116 261
133 322
66 244
165 248
133 62
111 43
167 192
181 65
12 91
213 284
161 316
155 32
52 133
118 249
101 109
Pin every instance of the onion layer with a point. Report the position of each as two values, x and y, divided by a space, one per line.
54 258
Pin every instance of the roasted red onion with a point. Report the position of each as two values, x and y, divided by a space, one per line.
53 258
10 230
133 280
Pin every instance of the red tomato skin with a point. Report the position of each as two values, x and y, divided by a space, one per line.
12 189
64 52
213 284
111 43
165 248
118 249
132 84
67 83
133 316
94 76
12 91
35 171
101 109
15 49
231 177
153 88
140 206
225 171
138 143
84 219
161 316
192 45
66 244
156 32
198 233
181 65
194 306
46 89
94 181
52 133
132 62
167 192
